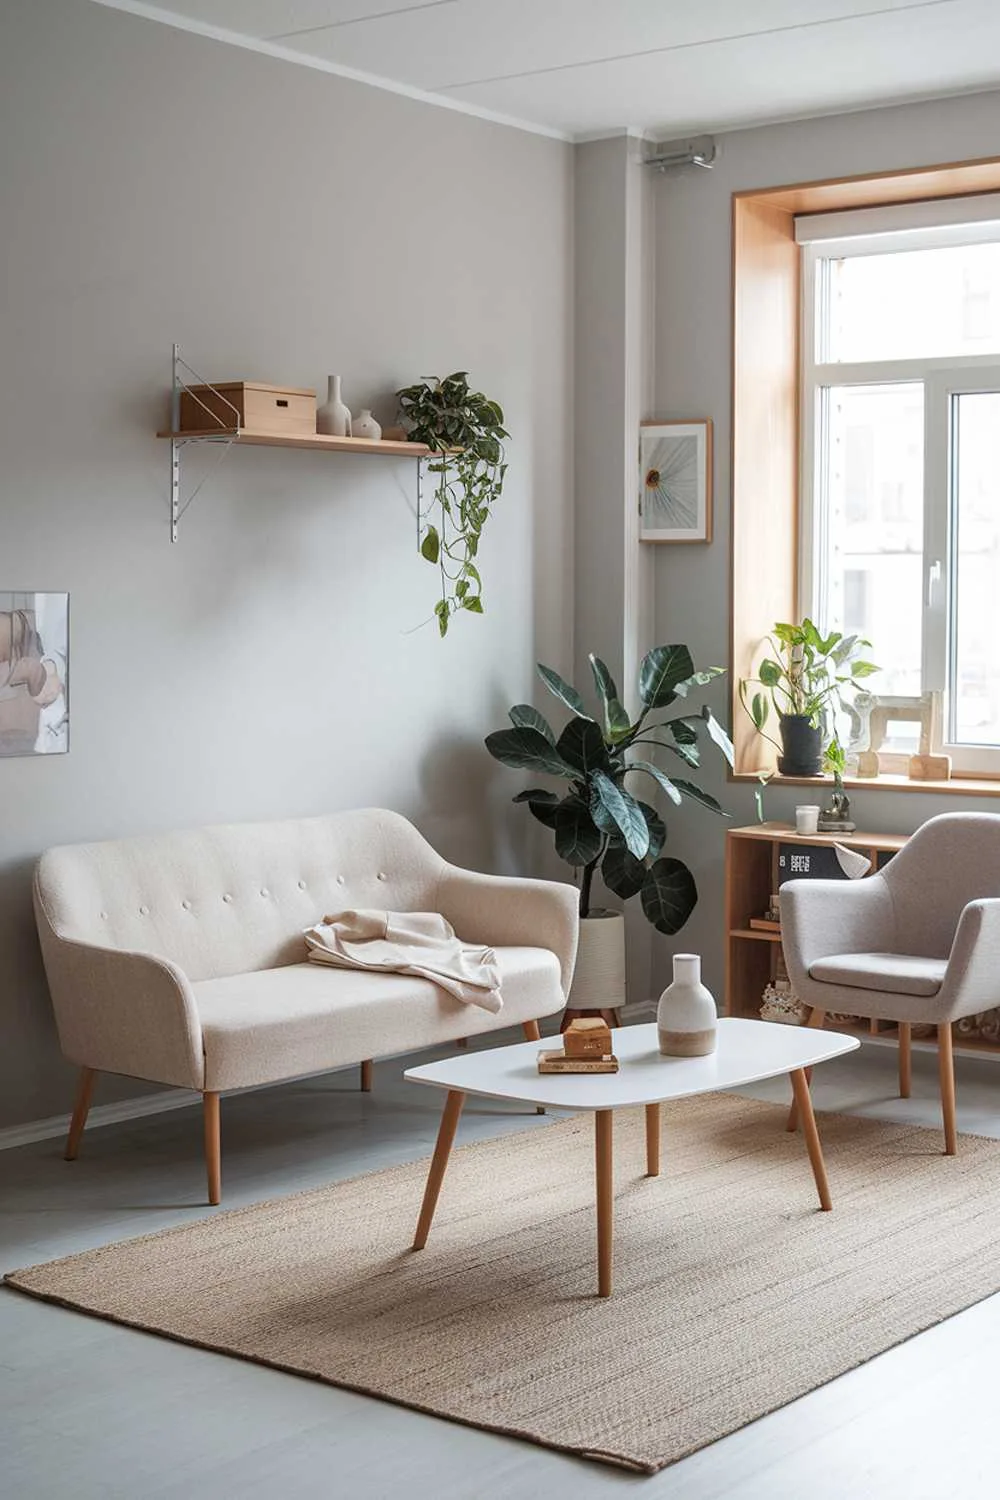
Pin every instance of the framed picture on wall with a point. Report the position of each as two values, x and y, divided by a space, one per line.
34 673
675 481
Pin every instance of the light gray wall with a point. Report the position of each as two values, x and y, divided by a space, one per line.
693 379
280 224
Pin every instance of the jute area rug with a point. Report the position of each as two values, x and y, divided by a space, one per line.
733 1294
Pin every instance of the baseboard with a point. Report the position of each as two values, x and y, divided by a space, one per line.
102 1114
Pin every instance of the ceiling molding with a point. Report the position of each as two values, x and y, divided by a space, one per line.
170 18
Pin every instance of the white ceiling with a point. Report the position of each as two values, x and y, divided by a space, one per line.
582 68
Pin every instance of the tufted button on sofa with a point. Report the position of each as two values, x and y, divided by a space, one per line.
180 957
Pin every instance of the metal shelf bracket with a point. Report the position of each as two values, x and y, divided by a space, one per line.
180 372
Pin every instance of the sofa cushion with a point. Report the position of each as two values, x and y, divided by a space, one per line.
890 973
305 1018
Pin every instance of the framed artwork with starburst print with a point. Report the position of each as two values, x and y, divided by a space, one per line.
675 481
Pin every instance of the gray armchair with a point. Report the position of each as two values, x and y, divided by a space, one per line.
918 943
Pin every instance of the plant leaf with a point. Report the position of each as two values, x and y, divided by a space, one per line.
578 841
622 872
616 721
563 690
525 748
690 789
657 829
624 812
661 670
660 777
582 746
669 895
430 547
523 716
770 672
719 735
697 679
542 805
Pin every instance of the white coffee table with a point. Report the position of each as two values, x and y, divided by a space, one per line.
747 1051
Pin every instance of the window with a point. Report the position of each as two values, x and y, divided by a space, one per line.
900 539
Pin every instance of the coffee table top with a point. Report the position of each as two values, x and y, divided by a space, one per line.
747 1050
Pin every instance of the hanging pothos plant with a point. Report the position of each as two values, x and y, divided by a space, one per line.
464 430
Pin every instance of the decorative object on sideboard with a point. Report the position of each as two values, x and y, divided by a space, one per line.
925 712
807 817
779 1002
835 814
465 432
806 679
687 1021
34 673
366 426
333 417
675 481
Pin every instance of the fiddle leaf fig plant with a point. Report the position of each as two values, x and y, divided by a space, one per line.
599 821
465 432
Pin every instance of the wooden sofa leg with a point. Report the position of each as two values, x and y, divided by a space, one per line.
533 1034
946 1066
905 1059
213 1146
366 1076
81 1110
816 1018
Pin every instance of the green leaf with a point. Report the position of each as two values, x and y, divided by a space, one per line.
771 672
657 829
578 841
442 611
543 805
430 547
523 716
696 794
718 735
681 730
863 669
623 811
660 672
563 690
525 748
474 605
697 679
669 895
582 746
616 720
662 780
760 710
622 872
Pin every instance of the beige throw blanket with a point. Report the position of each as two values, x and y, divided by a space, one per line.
408 942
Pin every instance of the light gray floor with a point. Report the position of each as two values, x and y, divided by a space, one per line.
90 1410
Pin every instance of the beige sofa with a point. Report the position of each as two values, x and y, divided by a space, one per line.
179 957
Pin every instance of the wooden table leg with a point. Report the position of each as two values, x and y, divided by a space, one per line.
439 1161
652 1140
800 1088
905 1059
605 1199
816 1018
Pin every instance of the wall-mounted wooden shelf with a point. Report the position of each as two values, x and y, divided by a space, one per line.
388 448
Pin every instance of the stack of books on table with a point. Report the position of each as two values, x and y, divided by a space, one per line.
586 1049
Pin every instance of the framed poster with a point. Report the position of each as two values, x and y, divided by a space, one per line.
675 481
34 673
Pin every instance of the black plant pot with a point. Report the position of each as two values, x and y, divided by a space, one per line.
803 746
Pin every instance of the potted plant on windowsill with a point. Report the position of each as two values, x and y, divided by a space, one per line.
598 823
807 675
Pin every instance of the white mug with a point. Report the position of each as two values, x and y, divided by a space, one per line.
806 818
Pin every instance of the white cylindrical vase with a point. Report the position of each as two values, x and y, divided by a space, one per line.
333 418
599 976
686 1019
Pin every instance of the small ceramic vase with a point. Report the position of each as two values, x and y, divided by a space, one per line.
366 426
686 1019
334 418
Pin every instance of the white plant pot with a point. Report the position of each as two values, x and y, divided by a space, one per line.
599 976
686 1019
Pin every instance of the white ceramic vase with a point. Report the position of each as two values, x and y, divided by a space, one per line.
334 418
599 976
686 1019
366 426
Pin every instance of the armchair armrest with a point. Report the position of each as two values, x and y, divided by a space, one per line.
506 911
122 1011
823 917
972 978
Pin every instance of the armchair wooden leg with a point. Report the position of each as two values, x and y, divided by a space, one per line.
816 1018
946 1067
81 1109
213 1147
533 1034
905 1059
366 1076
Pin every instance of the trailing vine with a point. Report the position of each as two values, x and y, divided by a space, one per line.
464 430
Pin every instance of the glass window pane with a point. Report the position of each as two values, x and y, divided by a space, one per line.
871 565
974 698
915 304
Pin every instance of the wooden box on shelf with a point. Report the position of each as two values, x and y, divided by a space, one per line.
259 408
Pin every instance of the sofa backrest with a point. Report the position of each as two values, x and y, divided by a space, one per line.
950 860
229 899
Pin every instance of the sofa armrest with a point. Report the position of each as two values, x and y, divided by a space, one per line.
823 917
506 911
972 978
122 1011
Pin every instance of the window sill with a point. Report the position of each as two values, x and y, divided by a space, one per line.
961 786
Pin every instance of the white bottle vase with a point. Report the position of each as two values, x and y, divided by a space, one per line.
334 418
686 1019
366 426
